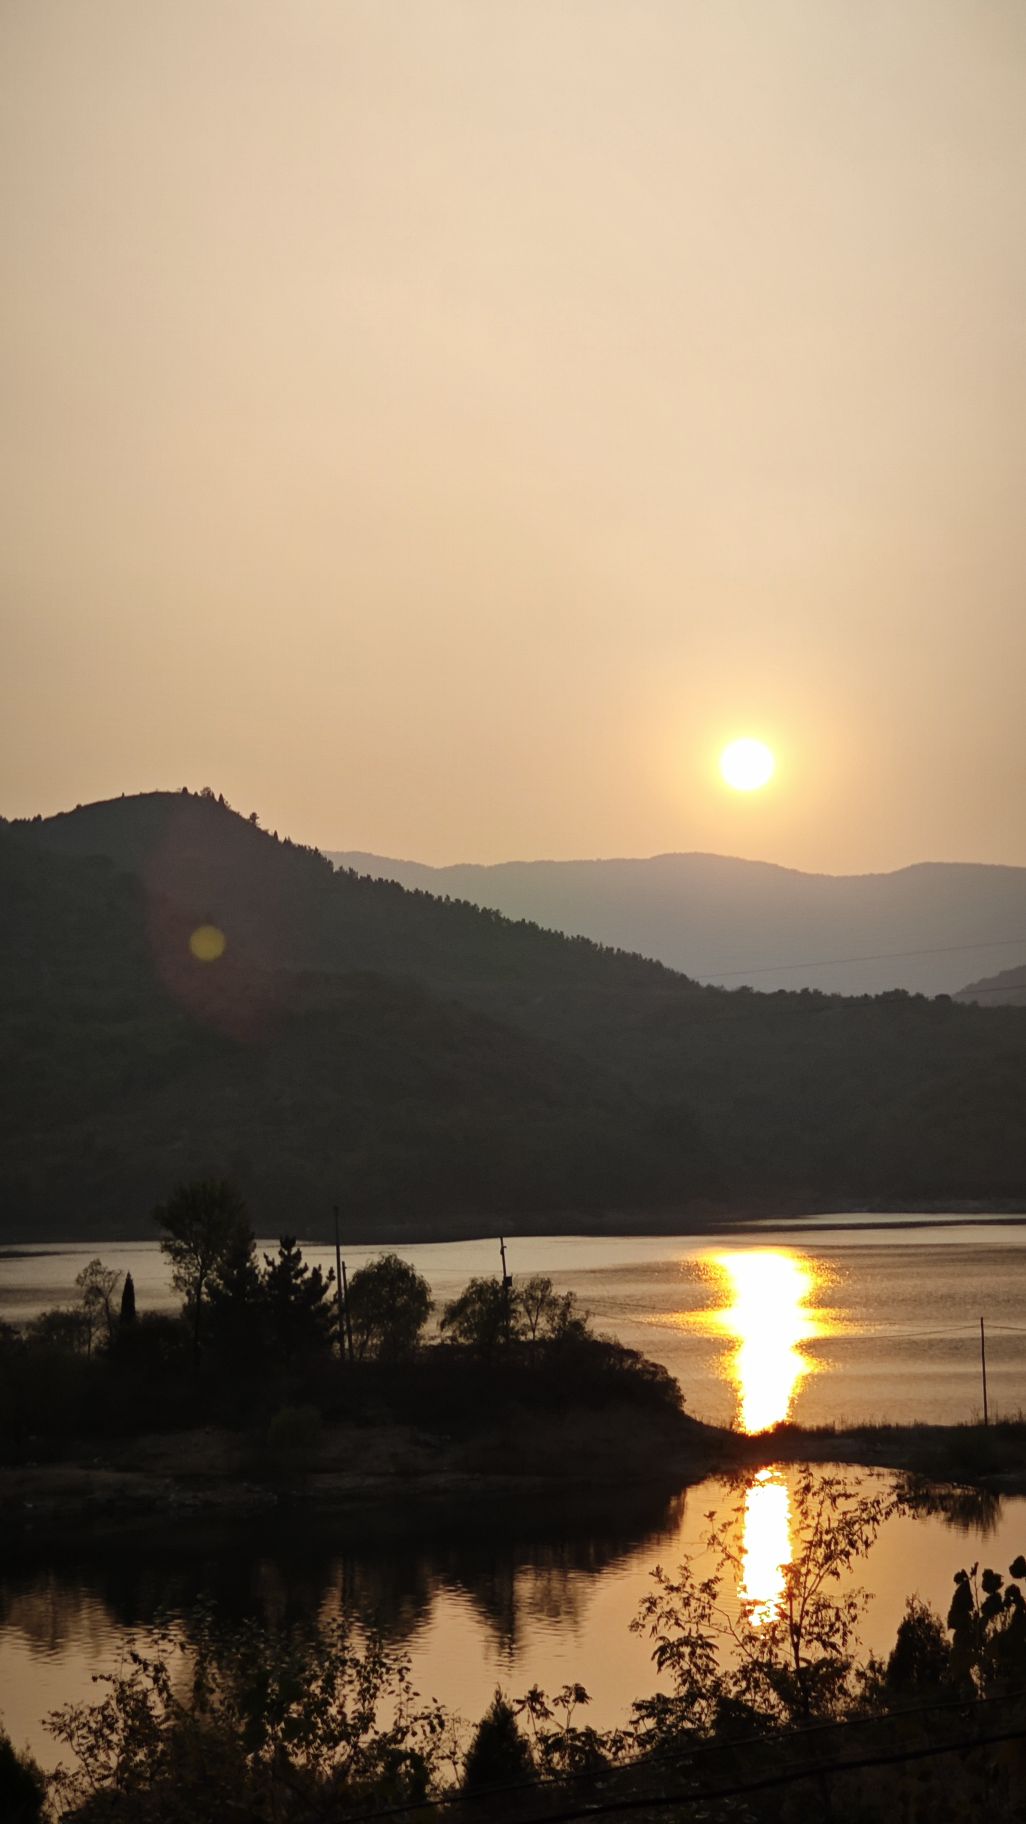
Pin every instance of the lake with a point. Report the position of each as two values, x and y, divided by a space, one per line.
875 1320
816 1323
542 1596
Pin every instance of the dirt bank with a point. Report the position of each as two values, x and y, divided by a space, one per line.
402 1475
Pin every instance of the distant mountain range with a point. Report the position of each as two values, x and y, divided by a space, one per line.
1008 987
433 1067
928 928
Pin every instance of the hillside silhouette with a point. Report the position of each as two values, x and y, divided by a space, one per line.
927 928
432 1065
1008 987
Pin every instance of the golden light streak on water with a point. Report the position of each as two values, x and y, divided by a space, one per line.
765 1546
767 1314
768 1318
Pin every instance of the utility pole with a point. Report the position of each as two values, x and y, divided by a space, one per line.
507 1284
983 1366
349 1321
339 1294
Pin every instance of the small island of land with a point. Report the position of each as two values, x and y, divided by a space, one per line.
268 1394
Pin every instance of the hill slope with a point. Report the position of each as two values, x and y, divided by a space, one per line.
431 1064
1006 988
924 928
130 1065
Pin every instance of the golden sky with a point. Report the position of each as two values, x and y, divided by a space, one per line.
442 424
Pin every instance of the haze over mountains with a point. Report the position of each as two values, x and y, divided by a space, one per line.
1008 987
434 1067
929 928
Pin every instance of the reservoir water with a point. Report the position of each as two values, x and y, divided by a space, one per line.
816 1323
873 1320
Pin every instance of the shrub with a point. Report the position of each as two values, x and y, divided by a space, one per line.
294 1432
22 1787
499 1754
259 1724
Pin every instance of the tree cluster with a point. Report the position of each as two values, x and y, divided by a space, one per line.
265 1340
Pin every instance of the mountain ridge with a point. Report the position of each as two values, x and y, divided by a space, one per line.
925 927
433 1065
1007 987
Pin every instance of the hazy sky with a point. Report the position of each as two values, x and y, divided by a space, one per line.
441 424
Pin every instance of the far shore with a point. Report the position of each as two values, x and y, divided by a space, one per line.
599 1225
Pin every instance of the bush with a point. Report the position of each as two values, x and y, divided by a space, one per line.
294 1432
22 1787
255 1723
921 1657
499 1754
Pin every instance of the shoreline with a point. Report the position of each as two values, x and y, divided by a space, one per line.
133 1487
596 1226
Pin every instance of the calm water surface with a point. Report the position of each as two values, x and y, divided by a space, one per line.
539 1598
813 1322
818 1323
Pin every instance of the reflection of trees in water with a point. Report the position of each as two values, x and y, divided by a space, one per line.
391 1594
525 1567
523 1577
965 1510
515 1570
48 1611
134 1589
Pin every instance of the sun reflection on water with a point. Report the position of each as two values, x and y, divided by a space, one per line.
767 1314
768 1318
765 1546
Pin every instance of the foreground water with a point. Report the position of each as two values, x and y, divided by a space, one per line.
819 1323
539 1597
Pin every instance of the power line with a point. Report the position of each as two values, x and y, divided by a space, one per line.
695 1751
999 988
957 1333
814 1770
880 956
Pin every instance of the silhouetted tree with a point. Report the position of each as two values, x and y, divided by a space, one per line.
236 1304
389 1304
485 1314
96 1287
920 1659
500 1754
127 1313
296 1300
547 1313
202 1220
63 1328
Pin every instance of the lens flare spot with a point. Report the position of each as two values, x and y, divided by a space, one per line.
207 943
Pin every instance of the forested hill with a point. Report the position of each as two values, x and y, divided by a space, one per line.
927 928
286 906
433 1065
129 1065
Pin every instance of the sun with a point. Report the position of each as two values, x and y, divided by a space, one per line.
746 765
